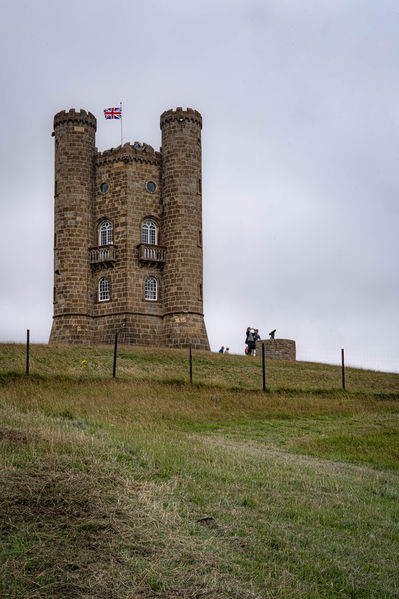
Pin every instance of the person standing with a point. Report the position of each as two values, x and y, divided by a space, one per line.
256 338
249 340
221 350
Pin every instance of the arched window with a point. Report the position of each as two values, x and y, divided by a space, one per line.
149 233
103 290
106 233
151 289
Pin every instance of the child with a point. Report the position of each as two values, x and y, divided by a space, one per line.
256 338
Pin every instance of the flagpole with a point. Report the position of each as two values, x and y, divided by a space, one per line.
121 125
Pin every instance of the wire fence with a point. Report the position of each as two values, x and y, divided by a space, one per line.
274 375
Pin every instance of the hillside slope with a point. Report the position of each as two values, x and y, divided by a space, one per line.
147 486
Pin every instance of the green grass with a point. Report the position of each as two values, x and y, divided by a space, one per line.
147 486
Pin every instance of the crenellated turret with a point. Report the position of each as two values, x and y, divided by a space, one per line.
182 228
74 134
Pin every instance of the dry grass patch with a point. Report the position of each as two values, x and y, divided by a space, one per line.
79 521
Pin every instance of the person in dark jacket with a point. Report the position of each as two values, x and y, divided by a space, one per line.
249 340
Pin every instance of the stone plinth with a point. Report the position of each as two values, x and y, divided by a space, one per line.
277 349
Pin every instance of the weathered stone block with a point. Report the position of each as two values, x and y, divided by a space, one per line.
277 349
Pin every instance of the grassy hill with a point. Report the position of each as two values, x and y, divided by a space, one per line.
147 486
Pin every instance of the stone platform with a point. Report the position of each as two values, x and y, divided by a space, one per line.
277 349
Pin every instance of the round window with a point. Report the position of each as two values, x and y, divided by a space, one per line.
104 187
151 186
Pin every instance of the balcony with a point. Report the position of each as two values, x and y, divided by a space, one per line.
151 253
102 257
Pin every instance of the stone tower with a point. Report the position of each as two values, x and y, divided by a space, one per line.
74 134
128 235
182 225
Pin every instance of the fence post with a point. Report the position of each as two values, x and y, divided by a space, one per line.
27 352
191 364
343 369
263 367
115 353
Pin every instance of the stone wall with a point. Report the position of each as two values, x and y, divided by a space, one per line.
277 349
127 204
133 329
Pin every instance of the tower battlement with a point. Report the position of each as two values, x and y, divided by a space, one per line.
140 152
180 116
128 235
73 116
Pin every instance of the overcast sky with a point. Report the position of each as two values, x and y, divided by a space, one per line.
300 106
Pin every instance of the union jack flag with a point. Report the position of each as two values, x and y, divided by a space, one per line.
113 113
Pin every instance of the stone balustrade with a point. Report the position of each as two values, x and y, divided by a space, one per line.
151 253
103 255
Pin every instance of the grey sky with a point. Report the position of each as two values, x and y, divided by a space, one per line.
300 102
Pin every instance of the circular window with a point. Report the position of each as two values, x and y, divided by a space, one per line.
104 187
151 186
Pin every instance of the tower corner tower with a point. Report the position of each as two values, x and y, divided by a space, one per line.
74 133
182 228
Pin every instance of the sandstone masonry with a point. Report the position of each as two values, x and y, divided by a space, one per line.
277 349
128 235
